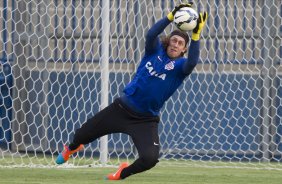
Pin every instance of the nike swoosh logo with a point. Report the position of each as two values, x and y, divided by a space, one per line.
156 144
114 175
178 16
160 58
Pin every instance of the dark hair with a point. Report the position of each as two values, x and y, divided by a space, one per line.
165 41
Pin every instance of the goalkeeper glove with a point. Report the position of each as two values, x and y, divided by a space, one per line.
200 25
171 14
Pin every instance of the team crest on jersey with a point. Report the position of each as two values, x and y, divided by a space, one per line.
170 65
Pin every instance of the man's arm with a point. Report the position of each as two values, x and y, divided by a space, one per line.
152 40
193 57
194 50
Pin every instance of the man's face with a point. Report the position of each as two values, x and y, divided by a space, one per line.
176 46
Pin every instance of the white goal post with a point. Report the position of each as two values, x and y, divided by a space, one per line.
62 61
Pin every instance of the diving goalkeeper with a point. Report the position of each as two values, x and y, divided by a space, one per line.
161 71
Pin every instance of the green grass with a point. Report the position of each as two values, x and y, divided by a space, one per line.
157 175
182 172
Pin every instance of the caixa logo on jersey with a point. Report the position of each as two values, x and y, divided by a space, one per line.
153 72
170 65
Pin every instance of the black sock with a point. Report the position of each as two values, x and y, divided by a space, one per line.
73 146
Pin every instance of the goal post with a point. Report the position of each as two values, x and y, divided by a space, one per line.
62 61
105 71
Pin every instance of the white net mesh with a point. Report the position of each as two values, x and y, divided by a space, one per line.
61 60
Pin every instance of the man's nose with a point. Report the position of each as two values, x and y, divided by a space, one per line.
175 44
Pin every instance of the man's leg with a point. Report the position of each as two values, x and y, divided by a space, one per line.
146 139
104 122
108 120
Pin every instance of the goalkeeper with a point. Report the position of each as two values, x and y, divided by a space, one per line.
161 71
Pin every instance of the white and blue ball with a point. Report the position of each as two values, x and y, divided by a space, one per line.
186 18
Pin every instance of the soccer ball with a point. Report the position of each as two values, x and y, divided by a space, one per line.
185 19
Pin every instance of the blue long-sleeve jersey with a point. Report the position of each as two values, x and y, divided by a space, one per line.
158 76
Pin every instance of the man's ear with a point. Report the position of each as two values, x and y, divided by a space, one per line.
185 50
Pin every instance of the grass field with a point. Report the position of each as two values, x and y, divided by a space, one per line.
157 175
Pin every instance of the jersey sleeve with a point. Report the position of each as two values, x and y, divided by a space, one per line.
152 42
193 57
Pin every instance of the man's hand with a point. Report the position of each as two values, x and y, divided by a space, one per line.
171 14
200 25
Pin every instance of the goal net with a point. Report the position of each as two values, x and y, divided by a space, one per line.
62 61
